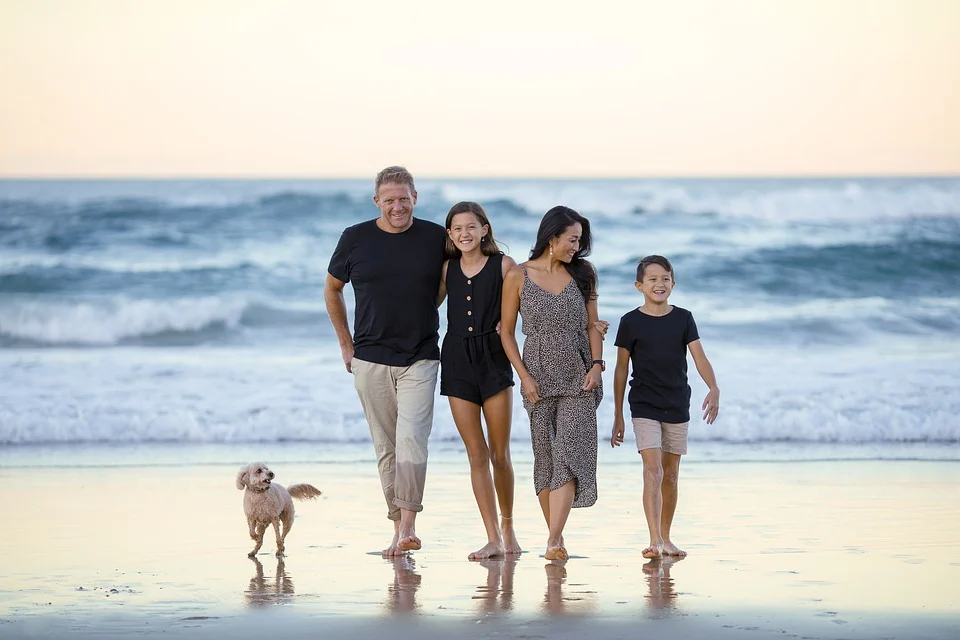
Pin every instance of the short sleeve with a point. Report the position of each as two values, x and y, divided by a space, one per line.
691 334
624 335
339 266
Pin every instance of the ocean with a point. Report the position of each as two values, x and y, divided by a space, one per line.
172 312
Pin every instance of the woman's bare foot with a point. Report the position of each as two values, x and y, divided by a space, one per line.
510 545
556 552
671 549
489 550
653 551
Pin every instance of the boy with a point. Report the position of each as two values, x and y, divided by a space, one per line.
655 338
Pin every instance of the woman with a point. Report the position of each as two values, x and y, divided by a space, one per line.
475 374
556 294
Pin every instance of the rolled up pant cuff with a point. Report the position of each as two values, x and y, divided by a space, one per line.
410 506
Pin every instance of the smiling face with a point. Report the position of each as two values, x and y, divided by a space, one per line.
656 285
467 232
566 245
396 202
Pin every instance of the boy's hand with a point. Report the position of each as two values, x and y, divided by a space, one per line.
530 389
711 406
616 436
602 326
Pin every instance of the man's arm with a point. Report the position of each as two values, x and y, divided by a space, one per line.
337 312
711 404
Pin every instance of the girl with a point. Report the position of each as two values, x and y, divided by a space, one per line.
475 374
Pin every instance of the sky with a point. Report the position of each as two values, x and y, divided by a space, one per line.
288 88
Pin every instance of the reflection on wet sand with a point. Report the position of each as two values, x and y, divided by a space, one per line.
496 594
662 595
269 590
402 594
563 596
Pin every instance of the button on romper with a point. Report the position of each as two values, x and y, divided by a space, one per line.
563 424
473 365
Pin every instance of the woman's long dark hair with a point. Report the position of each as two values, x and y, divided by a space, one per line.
488 246
553 224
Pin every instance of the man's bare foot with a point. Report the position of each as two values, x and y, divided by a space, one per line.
394 550
653 551
408 541
671 549
489 550
510 545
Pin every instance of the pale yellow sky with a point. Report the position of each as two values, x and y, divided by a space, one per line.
493 88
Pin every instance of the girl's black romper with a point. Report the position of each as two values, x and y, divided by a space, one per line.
473 365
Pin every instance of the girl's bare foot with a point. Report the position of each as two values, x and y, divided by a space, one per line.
671 549
510 545
489 550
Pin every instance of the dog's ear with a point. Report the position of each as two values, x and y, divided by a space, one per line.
242 478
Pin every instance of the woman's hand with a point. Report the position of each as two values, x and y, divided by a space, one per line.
593 380
530 389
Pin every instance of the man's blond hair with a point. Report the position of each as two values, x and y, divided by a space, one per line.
396 175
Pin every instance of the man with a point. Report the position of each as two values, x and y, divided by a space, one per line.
394 263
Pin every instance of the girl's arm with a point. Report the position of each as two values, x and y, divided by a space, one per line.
711 404
442 293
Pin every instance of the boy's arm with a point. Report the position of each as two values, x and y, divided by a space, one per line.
711 404
619 390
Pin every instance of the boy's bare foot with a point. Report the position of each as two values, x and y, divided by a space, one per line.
489 550
653 551
510 545
671 549
408 541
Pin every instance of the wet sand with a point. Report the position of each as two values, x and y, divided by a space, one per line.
829 549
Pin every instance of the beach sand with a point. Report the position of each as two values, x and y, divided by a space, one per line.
117 542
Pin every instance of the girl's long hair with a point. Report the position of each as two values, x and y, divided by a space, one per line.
554 223
488 246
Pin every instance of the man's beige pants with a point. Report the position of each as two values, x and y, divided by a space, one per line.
398 405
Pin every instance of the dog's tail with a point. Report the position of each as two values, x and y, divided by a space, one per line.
303 491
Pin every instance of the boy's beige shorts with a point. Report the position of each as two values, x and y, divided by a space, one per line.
666 436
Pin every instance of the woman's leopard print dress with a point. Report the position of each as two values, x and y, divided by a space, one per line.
563 425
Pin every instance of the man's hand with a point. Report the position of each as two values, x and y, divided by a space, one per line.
616 435
347 353
711 406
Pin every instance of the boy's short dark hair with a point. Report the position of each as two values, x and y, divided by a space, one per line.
649 260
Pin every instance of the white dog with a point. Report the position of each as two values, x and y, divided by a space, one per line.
266 503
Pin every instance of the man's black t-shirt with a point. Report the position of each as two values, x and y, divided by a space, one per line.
396 278
658 352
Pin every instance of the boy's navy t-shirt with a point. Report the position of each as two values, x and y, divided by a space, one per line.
658 352
396 278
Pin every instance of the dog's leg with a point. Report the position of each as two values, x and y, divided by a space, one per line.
276 530
258 537
286 516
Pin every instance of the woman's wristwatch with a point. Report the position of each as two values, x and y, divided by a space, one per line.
603 365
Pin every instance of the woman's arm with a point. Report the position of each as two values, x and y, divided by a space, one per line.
509 310
592 381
